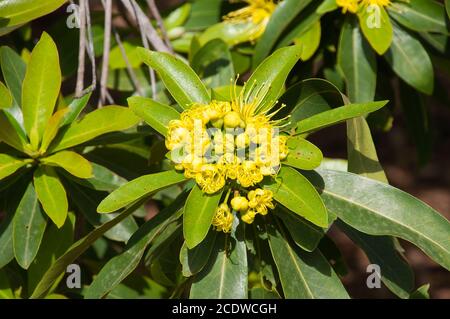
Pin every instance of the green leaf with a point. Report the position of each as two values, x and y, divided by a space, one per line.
52 127
203 14
351 198
295 192
362 155
155 114
13 69
376 27
10 136
40 88
17 12
447 7
9 164
337 115
57 241
181 81
327 6
51 194
396 274
6 240
86 202
285 12
420 15
310 41
5 97
357 63
28 228
198 215
105 120
177 17
119 267
226 275
74 109
421 293
302 154
102 179
267 82
194 260
303 275
416 117
213 63
307 98
78 248
139 188
305 234
231 33
409 59
72 162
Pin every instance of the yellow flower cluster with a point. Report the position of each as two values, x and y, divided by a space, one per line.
220 141
258 201
257 12
353 5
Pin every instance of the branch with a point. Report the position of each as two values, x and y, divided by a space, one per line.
155 13
107 5
81 49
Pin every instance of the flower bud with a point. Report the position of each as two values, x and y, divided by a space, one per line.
232 119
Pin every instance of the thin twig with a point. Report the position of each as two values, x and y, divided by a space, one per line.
127 62
146 45
135 11
81 49
91 51
107 5
155 13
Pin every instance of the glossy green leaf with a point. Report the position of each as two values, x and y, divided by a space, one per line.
52 127
337 115
72 162
10 136
327 6
267 82
305 234
362 154
309 40
155 114
10 164
307 98
17 12
51 194
13 69
417 121
105 120
376 208
303 275
420 15
285 12
226 275
56 242
103 179
177 17
28 229
6 240
119 267
396 274
40 88
213 63
409 59
74 109
376 27
183 84
194 260
198 215
295 192
302 154
230 33
5 97
78 248
203 14
357 63
139 188
421 293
